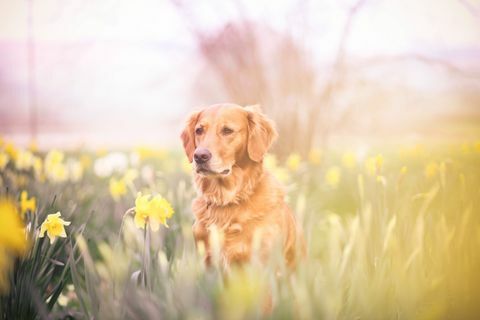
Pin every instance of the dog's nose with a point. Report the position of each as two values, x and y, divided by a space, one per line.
202 155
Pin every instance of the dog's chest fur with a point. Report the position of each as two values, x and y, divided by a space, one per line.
243 223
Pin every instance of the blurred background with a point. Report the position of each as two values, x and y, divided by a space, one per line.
118 73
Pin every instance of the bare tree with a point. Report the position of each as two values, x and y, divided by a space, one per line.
254 64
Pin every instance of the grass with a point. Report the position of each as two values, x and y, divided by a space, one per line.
392 235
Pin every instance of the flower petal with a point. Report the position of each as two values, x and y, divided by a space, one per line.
43 228
63 234
139 221
154 225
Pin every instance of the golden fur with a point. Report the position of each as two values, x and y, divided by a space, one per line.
246 203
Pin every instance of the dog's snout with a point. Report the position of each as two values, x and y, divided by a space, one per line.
202 155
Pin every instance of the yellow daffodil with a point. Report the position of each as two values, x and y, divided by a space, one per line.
38 167
145 152
11 150
477 146
333 176
118 188
381 180
466 148
75 170
57 172
349 160
315 157
53 157
13 241
281 174
152 210
55 169
27 204
130 175
374 165
403 170
293 162
379 163
24 160
431 169
270 161
54 226
4 158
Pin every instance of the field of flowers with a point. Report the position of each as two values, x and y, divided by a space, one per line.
393 233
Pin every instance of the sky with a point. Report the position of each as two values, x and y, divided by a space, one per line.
383 26
104 67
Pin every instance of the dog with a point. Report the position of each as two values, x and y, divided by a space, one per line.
226 144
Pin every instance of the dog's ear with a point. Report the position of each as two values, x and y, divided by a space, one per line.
188 135
261 133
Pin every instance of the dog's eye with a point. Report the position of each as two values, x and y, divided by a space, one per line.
199 131
227 131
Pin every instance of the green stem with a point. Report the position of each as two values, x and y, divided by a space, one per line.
144 267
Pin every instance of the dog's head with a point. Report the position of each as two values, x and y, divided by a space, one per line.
221 136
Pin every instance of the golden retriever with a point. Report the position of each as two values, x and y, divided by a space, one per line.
227 144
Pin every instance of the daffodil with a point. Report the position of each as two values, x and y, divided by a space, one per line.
281 174
402 174
53 157
55 169
270 161
11 150
374 165
477 146
379 163
57 172
293 162
27 204
466 148
431 169
13 241
145 152
38 168
130 175
152 210
118 188
4 158
333 176
75 170
349 160
54 226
